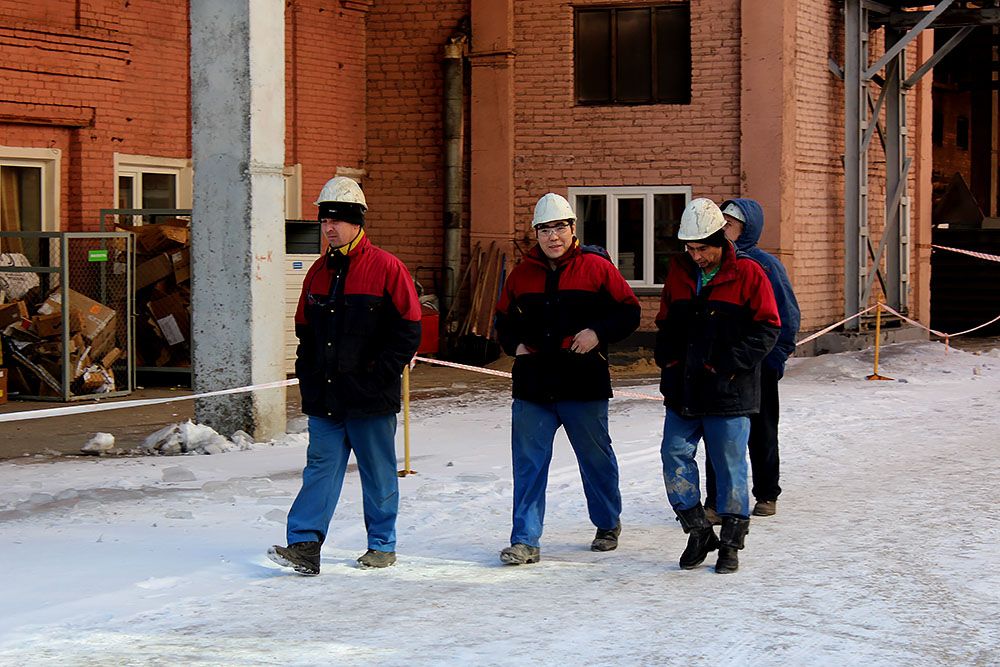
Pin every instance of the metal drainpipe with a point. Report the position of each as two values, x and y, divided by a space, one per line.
454 130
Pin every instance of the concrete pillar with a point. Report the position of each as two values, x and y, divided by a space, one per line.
923 191
492 122
237 229
767 118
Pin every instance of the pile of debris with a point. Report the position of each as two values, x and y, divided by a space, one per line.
33 345
162 293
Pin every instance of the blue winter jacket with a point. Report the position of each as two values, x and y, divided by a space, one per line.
788 307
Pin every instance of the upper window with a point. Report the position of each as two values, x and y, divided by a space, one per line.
637 225
633 55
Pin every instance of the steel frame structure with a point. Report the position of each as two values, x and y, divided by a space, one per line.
902 22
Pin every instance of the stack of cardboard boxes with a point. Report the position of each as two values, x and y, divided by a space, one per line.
33 346
163 294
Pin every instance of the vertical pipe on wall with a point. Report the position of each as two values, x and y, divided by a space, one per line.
453 66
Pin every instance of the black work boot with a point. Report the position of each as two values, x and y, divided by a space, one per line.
701 537
303 557
731 536
606 540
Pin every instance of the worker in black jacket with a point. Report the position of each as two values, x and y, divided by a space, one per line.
358 324
558 311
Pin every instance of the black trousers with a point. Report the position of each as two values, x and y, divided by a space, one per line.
763 444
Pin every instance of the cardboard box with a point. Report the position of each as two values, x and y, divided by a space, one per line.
3 386
162 237
49 326
171 318
153 270
104 340
11 313
94 317
181 259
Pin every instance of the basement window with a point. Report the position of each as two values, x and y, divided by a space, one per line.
637 225
633 55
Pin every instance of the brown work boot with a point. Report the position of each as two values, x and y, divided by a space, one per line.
373 558
765 508
606 540
520 554
303 557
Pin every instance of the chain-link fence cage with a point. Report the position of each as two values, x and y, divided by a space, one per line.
162 288
54 356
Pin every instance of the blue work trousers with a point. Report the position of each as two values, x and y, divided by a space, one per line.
373 441
726 446
534 427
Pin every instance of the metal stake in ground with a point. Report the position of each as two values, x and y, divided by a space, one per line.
406 424
878 339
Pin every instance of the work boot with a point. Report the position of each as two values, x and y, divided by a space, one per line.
373 558
701 536
520 554
765 508
303 557
731 537
606 540
713 516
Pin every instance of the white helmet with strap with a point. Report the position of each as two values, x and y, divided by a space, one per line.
701 218
552 208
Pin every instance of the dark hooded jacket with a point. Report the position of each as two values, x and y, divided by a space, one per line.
784 297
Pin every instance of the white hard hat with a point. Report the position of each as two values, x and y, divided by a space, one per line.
343 190
734 211
701 219
551 208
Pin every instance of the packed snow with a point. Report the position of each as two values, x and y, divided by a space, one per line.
883 551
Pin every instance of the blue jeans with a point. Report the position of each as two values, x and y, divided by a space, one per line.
726 445
534 426
373 440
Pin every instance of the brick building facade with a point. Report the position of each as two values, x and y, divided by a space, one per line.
96 91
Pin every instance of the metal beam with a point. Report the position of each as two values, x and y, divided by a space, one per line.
945 49
855 162
891 225
875 108
896 48
953 18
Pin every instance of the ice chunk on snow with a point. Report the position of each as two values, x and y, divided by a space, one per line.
189 437
99 444
178 474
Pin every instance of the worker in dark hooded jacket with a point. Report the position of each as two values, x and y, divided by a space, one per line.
557 313
717 321
744 225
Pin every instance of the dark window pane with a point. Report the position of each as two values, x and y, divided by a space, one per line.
21 208
593 56
126 196
592 219
159 191
630 242
962 133
673 54
634 48
667 211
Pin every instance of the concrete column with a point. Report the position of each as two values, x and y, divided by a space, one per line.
923 191
237 230
767 118
492 123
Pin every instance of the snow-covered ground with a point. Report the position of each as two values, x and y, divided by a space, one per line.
884 550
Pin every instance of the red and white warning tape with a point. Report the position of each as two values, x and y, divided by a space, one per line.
971 253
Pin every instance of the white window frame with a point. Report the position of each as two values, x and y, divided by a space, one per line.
646 193
137 165
50 162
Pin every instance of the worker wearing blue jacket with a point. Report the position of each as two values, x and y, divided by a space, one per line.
744 225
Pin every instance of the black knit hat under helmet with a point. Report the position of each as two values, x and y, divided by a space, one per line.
343 211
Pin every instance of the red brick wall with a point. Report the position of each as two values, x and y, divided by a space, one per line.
404 185
325 71
559 144
123 67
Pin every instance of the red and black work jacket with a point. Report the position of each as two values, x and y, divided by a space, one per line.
710 342
358 324
544 308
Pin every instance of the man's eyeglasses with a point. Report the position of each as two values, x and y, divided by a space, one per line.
551 230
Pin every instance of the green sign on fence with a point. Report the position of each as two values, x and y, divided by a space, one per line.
97 255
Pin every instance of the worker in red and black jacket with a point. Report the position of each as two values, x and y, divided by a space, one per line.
557 313
717 321
358 324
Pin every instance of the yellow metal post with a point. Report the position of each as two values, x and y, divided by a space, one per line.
406 424
878 342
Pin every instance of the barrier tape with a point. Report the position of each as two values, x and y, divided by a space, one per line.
834 326
971 253
121 405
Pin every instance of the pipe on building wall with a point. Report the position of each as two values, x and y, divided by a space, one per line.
454 163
